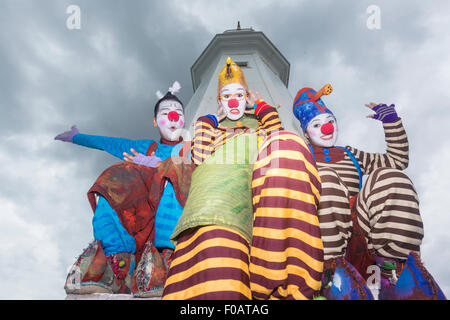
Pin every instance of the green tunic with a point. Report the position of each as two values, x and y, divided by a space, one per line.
220 192
248 121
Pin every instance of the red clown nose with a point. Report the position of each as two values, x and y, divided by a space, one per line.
173 116
327 128
233 103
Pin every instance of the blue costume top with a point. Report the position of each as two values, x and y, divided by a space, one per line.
107 226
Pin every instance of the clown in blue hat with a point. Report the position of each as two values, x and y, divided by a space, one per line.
362 224
315 116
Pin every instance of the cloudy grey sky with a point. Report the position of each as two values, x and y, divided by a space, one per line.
103 78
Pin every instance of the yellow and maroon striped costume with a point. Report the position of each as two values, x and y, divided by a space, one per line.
387 207
285 256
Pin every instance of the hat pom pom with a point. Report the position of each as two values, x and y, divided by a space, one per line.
175 87
159 94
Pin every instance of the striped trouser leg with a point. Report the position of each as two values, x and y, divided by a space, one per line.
286 255
388 213
209 263
334 214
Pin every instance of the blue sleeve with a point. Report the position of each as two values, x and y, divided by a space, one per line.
114 146
109 230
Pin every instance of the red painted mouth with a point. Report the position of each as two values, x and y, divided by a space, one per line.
327 137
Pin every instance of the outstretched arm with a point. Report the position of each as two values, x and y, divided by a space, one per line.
397 152
112 145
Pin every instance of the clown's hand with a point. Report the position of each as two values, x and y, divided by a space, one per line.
221 114
253 99
252 110
138 158
257 103
383 112
67 136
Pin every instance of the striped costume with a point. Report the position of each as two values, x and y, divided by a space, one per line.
387 207
283 256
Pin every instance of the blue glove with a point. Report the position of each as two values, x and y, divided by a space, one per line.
384 113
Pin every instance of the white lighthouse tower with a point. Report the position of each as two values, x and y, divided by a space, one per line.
265 68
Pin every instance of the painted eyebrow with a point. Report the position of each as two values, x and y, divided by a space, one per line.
169 107
227 90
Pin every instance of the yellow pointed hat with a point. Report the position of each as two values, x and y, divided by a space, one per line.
231 73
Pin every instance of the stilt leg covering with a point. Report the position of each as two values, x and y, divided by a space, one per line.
414 283
151 272
90 273
345 283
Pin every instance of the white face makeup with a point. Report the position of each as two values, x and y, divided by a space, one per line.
323 130
170 120
232 98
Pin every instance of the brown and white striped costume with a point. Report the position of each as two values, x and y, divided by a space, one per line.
284 258
387 206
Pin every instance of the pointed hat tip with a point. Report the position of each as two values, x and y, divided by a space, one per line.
324 91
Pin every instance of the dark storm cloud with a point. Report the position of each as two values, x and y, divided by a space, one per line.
314 29
85 87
